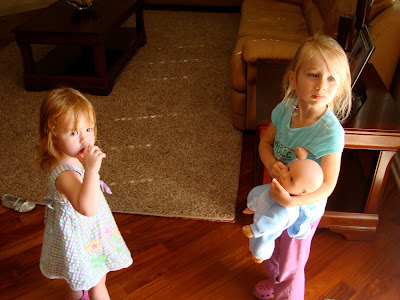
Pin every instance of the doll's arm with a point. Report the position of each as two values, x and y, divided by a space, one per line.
330 165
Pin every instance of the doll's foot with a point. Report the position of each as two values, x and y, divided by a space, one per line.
248 211
264 290
258 260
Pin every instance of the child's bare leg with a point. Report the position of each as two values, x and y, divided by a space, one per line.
248 211
99 291
74 295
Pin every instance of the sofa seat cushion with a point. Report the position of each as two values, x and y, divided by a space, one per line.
277 20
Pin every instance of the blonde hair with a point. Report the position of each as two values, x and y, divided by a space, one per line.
59 105
336 60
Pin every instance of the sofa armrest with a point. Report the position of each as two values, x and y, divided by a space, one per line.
384 31
269 49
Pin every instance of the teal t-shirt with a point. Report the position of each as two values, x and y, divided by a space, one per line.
324 137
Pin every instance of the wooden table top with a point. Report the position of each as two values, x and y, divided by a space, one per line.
61 18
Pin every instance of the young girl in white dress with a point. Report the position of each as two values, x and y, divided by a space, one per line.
81 242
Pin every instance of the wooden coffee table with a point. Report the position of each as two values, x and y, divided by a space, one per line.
91 47
372 138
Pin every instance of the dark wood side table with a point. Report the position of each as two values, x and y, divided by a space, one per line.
91 46
372 138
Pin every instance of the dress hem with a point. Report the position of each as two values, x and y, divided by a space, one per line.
84 288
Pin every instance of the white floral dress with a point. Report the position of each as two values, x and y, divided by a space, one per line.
77 248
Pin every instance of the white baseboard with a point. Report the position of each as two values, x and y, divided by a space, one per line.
395 167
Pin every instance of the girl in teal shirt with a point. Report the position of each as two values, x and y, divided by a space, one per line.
317 95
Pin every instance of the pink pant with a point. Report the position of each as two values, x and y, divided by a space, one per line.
286 266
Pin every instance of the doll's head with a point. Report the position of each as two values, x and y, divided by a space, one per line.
336 60
60 106
301 177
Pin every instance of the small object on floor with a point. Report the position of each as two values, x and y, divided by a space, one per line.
85 296
264 290
16 203
81 5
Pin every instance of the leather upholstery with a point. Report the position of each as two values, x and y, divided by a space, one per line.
215 3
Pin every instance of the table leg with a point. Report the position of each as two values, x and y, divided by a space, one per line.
379 180
99 54
27 57
140 29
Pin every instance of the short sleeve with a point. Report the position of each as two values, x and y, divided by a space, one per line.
331 138
280 114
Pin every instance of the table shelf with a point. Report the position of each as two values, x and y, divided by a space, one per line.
355 178
90 49
75 60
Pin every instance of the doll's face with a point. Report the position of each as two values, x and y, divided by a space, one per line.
301 177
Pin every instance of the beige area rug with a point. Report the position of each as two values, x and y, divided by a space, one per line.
166 127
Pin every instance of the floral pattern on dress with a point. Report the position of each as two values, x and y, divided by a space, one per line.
94 246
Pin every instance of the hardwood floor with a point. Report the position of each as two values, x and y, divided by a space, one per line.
191 259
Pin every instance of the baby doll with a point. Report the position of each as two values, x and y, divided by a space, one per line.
300 177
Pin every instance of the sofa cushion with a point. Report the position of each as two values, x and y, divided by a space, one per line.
331 22
385 34
324 7
313 17
378 6
272 19
299 2
331 15
323 15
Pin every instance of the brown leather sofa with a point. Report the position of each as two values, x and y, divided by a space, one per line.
274 29
214 3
